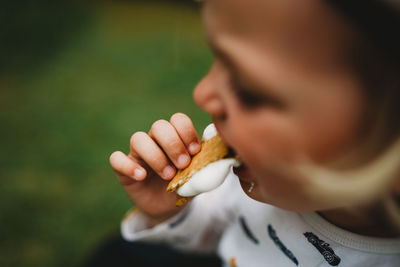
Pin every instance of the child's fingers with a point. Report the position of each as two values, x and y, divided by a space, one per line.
144 146
186 131
125 166
166 136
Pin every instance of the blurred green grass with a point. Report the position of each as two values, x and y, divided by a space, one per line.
129 65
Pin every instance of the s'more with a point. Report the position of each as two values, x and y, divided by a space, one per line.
207 170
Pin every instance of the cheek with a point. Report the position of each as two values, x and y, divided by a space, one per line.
263 138
275 186
330 128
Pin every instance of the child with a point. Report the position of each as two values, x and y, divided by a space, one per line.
307 93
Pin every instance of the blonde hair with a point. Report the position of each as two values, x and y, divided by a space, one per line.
358 185
376 160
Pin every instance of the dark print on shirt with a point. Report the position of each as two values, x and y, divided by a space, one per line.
247 231
280 245
323 248
180 219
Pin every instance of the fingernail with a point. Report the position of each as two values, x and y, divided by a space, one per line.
138 174
183 160
168 172
194 147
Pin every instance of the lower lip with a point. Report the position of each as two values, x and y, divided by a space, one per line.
243 173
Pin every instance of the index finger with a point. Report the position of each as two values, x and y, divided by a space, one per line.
186 131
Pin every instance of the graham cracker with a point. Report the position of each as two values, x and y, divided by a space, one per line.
211 150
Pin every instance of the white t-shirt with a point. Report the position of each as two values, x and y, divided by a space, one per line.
245 232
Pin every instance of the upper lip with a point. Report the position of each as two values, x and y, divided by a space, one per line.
231 151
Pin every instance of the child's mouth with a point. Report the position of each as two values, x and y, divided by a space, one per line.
241 170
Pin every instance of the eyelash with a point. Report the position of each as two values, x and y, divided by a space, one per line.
253 100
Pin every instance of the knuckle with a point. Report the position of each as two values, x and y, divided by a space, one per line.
176 148
113 157
178 117
136 137
158 125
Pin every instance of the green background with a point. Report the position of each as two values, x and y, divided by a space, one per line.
75 82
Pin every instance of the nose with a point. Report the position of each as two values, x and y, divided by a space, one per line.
206 94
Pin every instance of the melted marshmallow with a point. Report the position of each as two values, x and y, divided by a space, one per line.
209 177
209 132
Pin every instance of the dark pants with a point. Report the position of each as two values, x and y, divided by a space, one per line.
117 252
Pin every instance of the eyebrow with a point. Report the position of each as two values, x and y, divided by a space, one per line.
221 54
233 65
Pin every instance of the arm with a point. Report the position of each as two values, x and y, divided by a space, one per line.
197 228
145 172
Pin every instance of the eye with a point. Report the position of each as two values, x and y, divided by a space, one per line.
252 99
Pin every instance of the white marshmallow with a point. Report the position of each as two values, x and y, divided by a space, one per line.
208 178
209 132
211 176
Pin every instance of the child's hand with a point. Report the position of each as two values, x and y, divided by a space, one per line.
152 162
